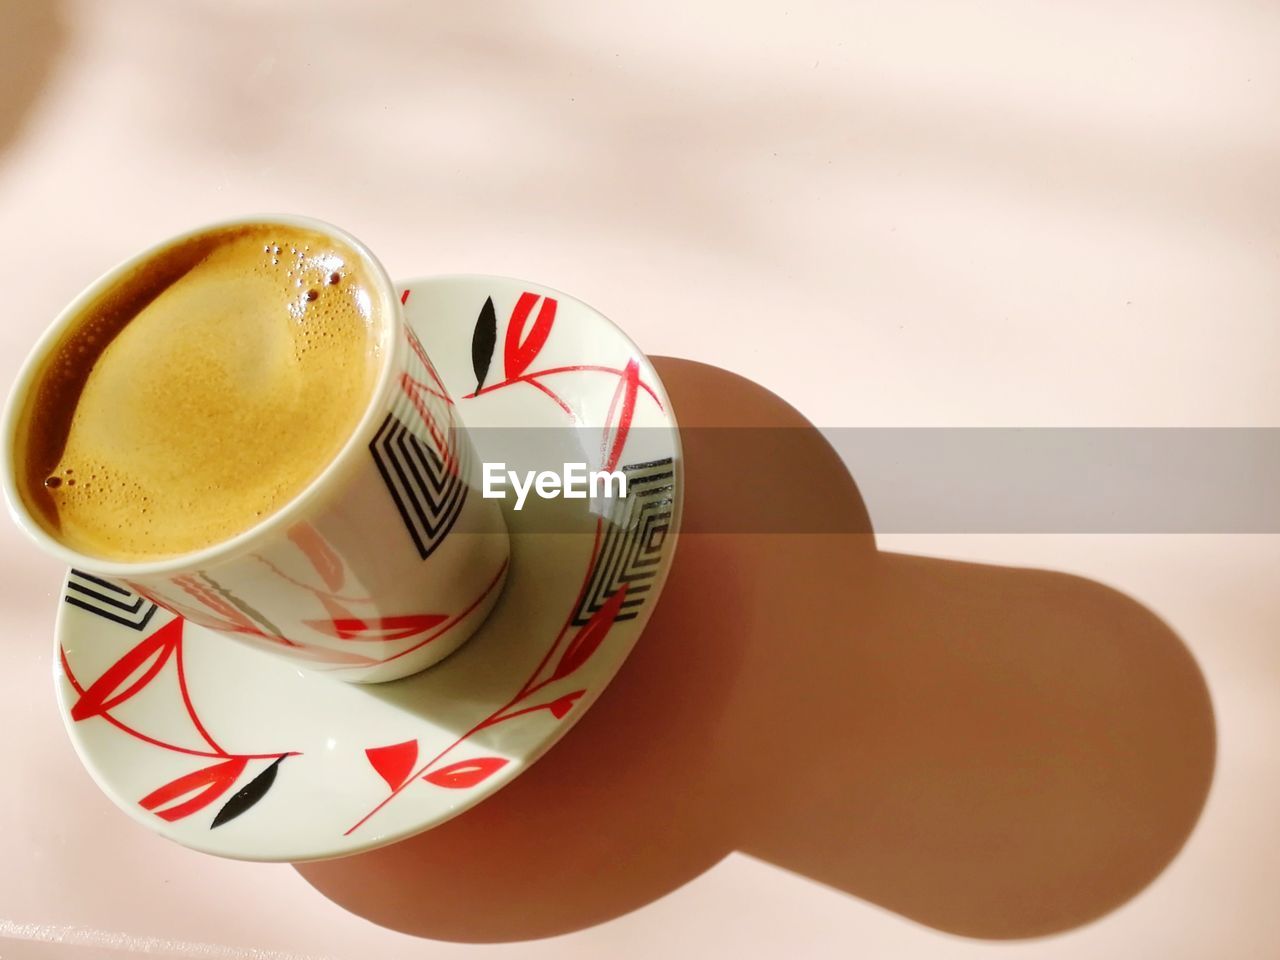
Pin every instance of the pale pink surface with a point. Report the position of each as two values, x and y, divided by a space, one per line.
925 213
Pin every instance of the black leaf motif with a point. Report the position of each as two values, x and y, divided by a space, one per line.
254 791
483 340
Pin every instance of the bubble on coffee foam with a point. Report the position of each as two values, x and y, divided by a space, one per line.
115 501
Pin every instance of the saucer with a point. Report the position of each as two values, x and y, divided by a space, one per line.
231 751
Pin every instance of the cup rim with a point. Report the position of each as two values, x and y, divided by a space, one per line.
393 347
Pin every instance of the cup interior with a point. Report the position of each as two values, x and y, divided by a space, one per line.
389 343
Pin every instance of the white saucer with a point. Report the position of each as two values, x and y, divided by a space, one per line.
234 752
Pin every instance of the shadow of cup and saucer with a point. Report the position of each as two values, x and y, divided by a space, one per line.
990 751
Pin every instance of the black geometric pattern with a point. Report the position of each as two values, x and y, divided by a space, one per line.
106 599
428 496
633 539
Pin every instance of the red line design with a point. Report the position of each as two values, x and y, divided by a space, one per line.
588 639
377 629
164 744
407 385
454 622
412 388
624 404
576 368
529 687
440 390
419 385
186 700
416 346
573 417
445 628
103 694
404 296
558 707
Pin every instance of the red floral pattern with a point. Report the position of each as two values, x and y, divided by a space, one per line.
193 791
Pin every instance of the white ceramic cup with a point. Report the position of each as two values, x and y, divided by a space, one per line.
384 564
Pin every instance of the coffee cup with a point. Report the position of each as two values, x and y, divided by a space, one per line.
238 425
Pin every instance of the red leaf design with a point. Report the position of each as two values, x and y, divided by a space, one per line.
519 351
327 563
102 695
624 405
562 706
394 763
381 629
337 611
466 773
215 780
587 640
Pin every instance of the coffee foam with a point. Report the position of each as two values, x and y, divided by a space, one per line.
202 393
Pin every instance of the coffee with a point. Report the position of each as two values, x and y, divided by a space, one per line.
201 392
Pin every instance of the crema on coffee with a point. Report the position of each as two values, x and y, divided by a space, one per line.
201 392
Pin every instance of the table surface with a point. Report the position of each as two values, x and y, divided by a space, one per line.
916 214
